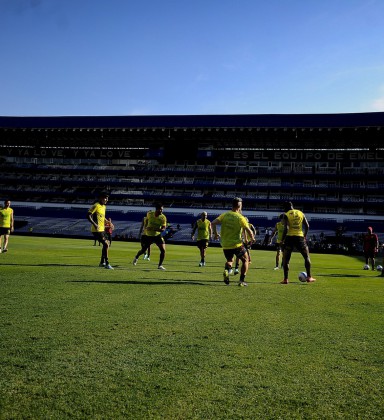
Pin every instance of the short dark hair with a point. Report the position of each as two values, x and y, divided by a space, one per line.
236 201
103 194
158 206
288 205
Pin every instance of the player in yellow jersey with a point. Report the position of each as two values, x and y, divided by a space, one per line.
6 224
232 225
96 216
278 232
154 226
204 235
296 227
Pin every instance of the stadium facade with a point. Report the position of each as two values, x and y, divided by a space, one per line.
324 163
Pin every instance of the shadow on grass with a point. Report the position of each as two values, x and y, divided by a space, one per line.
165 282
50 265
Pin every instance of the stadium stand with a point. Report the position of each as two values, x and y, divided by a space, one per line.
329 165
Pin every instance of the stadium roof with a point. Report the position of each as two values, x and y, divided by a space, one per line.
348 120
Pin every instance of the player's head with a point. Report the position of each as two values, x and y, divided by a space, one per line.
7 203
288 206
281 217
237 204
370 230
159 208
204 215
103 197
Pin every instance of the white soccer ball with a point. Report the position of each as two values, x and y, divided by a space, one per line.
366 267
303 276
379 268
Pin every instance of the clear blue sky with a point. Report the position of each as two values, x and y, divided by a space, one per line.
152 57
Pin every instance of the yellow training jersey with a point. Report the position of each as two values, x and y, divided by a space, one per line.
279 229
154 222
5 217
232 224
98 215
203 229
295 222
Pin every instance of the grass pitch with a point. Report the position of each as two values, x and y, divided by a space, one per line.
79 341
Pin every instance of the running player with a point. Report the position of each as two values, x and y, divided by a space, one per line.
296 227
6 224
232 224
204 235
278 232
96 216
155 224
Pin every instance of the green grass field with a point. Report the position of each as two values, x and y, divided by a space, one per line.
79 341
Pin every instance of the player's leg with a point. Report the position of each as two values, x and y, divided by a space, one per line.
228 254
5 247
243 256
161 247
286 259
1 242
307 261
145 242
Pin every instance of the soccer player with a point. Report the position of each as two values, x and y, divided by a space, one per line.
232 224
6 224
96 216
370 246
155 224
296 227
278 232
204 235
147 255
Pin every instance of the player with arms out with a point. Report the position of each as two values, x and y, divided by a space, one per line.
155 224
204 235
6 224
370 247
232 225
296 228
96 216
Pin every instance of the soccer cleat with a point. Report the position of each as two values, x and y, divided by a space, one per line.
243 284
236 271
109 267
145 257
134 261
148 259
310 279
285 281
276 268
5 250
204 264
160 267
200 264
102 265
226 276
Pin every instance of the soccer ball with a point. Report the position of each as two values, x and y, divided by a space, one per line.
379 268
303 276
366 267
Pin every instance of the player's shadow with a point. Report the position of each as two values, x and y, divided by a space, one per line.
48 265
165 282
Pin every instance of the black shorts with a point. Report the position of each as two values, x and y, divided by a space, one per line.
237 252
100 236
279 246
295 242
202 243
5 231
147 241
